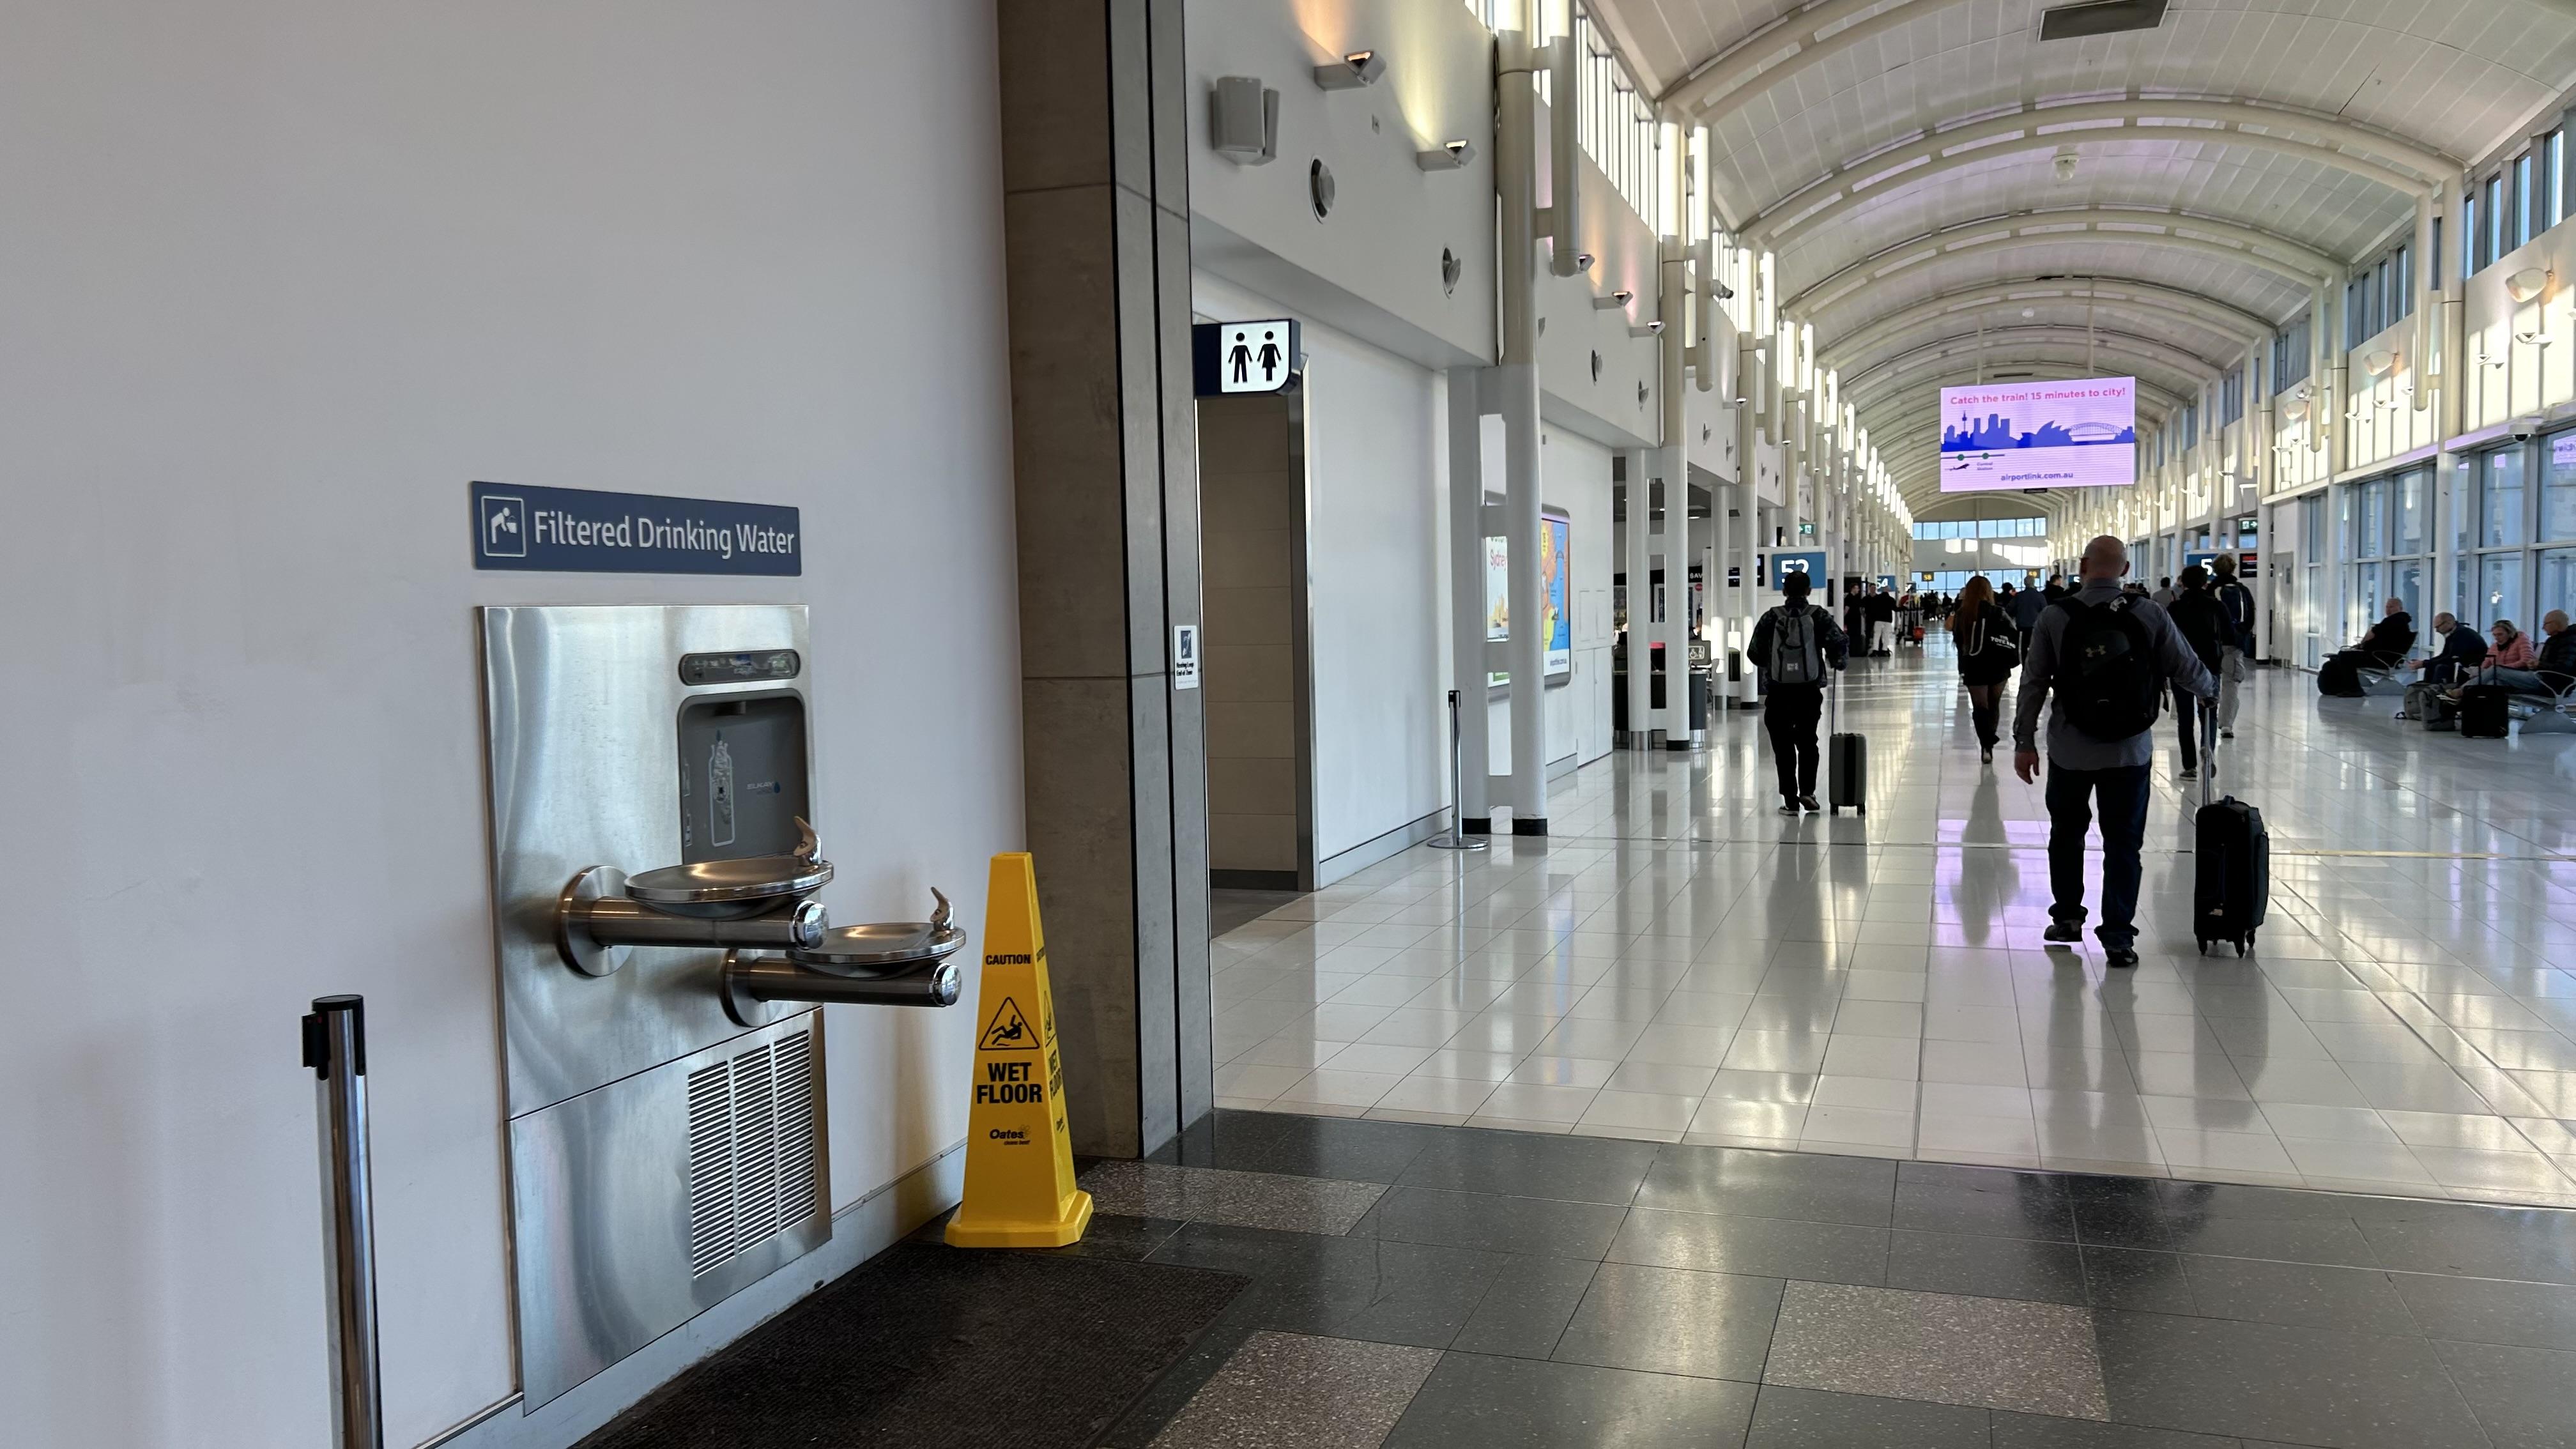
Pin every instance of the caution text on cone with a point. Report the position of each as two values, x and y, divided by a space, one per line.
1019 1155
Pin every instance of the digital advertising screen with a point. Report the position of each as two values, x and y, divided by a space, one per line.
2079 434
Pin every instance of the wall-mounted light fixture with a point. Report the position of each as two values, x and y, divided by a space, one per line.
1354 71
1447 156
1243 120
1583 261
2377 361
1650 329
2530 288
1614 302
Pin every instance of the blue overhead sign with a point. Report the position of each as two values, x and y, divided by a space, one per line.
1810 564
577 531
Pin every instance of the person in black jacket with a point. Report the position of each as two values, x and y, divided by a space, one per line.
1793 696
2387 641
2204 627
2236 603
1989 649
1880 609
2461 653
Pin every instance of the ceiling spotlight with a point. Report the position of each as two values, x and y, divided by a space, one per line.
1448 156
1614 301
1353 71
1651 329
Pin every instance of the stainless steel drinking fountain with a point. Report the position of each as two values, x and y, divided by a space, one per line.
664 1057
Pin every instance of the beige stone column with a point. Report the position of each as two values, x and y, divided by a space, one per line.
1096 216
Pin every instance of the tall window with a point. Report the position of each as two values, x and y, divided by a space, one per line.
2290 356
2554 163
2497 221
2522 198
2231 396
2468 236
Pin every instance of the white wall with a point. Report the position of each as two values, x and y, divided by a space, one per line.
1372 266
283 277
1376 433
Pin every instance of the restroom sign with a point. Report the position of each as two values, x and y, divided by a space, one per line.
1245 357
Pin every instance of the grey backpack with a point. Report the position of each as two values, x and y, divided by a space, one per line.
1796 655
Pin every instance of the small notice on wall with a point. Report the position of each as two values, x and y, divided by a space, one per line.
577 530
1185 656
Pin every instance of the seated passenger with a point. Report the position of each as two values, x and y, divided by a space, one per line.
2555 668
2388 641
2512 646
2460 653
2384 647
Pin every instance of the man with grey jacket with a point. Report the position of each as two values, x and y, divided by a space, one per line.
2109 660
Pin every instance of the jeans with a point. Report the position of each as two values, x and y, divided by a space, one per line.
1985 703
2120 794
2187 725
1789 715
2520 681
2231 664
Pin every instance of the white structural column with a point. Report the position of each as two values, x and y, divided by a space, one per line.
1713 574
1672 465
1467 597
1516 398
1634 462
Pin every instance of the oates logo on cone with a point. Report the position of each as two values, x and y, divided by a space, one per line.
1019 1157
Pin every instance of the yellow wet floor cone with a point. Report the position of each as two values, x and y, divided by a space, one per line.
1019 1157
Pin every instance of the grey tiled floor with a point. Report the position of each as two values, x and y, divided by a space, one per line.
1678 964
1564 1291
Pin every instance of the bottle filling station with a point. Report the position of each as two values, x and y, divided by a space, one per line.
655 878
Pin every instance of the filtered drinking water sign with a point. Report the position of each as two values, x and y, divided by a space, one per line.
577 530
1019 1154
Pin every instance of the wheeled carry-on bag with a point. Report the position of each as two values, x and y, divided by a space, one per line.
2486 712
1846 765
2231 858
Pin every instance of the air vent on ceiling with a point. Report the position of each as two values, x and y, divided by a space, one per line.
2100 17
752 1155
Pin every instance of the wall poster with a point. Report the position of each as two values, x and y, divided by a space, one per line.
1555 560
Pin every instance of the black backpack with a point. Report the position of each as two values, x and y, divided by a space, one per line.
2108 681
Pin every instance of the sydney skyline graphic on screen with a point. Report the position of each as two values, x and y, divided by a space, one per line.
2078 434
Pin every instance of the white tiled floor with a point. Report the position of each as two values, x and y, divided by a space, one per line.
1678 963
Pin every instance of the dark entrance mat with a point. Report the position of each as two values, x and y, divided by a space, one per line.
932 1346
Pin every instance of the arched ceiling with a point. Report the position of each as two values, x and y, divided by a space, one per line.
1899 157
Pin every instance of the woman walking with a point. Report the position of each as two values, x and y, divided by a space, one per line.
1989 649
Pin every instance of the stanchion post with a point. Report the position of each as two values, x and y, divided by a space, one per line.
335 1047
1457 838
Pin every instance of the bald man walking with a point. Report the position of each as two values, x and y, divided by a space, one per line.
2108 659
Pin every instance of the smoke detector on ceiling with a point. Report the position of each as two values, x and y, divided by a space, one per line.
2065 162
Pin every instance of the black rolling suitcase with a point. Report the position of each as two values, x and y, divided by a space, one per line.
2339 677
1846 765
2486 712
2231 859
